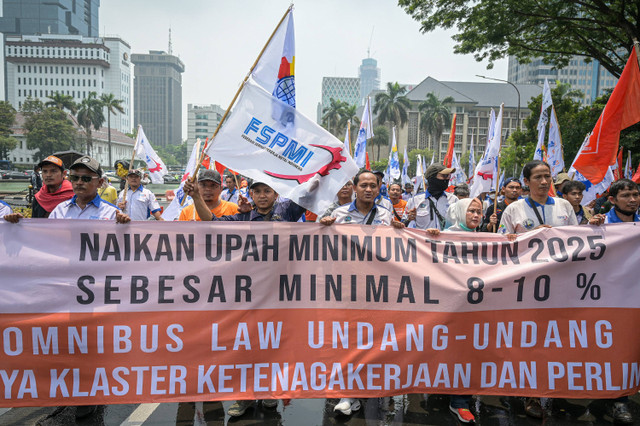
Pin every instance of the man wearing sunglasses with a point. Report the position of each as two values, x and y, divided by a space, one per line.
85 176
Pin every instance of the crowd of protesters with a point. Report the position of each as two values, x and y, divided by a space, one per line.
82 192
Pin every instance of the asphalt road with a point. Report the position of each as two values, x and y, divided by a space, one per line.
417 409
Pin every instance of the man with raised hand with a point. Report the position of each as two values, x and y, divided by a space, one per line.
429 209
265 209
140 203
209 188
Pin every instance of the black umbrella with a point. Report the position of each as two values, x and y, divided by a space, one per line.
68 157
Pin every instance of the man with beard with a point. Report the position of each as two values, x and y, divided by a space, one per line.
429 209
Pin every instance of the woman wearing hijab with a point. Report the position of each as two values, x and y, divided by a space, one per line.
463 216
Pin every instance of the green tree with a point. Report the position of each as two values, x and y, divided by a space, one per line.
332 115
7 118
48 131
62 101
435 117
551 29
112 105
380 138
90 115
349 113
392 106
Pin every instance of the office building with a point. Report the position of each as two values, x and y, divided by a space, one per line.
472 104
32 17
158 96
369 75
202 121
591 78
40 66
345 89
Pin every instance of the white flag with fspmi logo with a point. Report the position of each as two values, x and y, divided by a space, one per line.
297 158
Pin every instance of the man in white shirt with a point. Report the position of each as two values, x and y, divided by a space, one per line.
429 209
140 203
363 211
5 209
230 193
538 210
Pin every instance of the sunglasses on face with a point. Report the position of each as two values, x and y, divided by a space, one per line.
84 178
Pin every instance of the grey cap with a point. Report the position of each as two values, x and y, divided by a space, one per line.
211 175
436 168
88 162
136 172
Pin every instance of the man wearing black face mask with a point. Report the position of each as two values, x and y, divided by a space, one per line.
429 209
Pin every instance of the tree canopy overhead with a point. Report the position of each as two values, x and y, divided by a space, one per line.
551 29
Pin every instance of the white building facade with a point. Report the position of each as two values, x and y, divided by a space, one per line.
202 121
39 66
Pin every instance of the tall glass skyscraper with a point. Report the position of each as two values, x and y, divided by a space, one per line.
157 96
66 17
369 74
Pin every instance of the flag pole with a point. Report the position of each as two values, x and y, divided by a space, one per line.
133 157
349 135
246 78
495 199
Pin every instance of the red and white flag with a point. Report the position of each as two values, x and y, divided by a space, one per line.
621 111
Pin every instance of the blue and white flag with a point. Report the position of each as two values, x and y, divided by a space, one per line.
554 146
405 169
394 161
485 175
472 159
628 169
458 176
544 118
365 133
182 200
591 191
419 174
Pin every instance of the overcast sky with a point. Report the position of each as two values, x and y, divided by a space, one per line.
218 42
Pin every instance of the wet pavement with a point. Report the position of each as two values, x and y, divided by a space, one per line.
417 409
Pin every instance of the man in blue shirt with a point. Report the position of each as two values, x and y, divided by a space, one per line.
625 198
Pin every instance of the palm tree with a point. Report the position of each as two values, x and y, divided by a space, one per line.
62 101
435 116
380 138
112 105
90 114
331 114
349 113
392 106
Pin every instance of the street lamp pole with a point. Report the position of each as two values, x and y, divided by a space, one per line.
517 91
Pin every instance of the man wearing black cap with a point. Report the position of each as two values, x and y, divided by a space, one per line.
209 189
511 191
140 203
429 209
267 209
